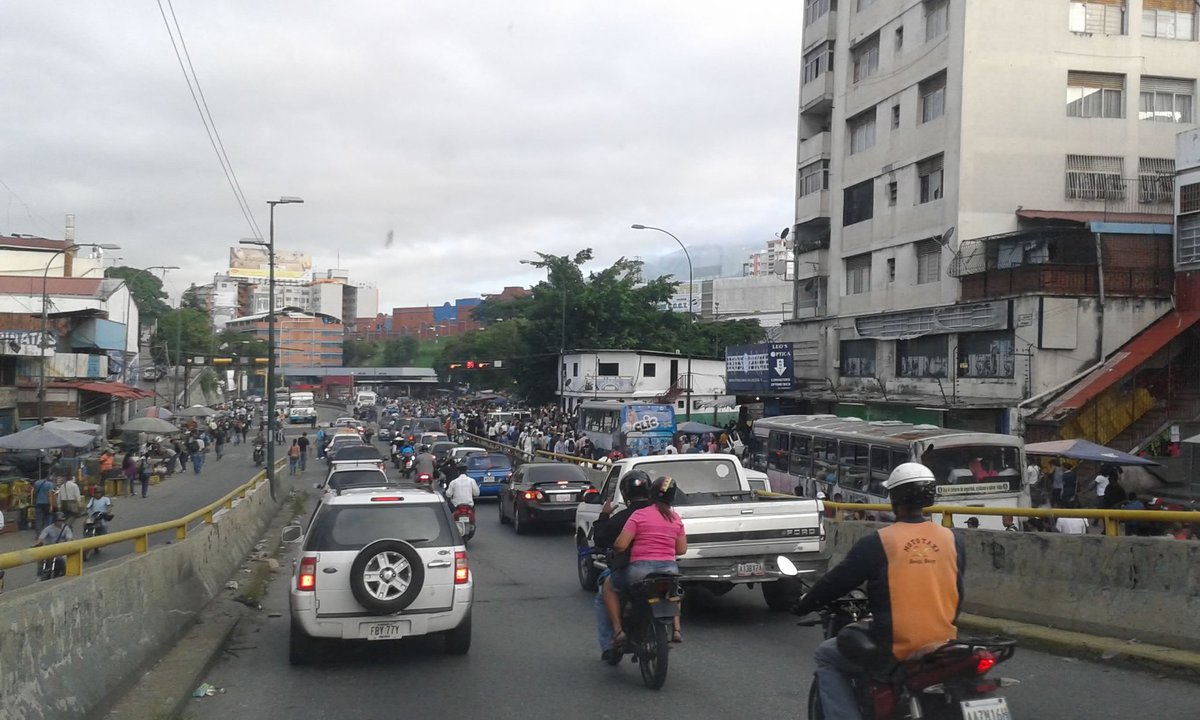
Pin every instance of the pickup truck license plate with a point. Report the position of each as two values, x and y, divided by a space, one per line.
989 709
383 631
749 569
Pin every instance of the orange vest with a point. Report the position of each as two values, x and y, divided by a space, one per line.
922 582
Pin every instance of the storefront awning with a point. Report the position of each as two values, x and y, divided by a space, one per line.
1124 361
116 389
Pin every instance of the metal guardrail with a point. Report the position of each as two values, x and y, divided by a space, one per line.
1111 518
499 446
140 536
518 452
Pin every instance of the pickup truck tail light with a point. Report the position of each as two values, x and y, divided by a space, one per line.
462 569
306 581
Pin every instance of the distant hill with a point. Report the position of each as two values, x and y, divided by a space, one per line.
708 262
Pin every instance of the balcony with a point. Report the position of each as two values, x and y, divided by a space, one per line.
816 96
1066 280
814 148
811 206
821 29
810 297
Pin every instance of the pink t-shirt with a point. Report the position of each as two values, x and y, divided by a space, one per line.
653 535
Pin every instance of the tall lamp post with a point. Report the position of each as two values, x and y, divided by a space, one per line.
691 317
46 316
270 389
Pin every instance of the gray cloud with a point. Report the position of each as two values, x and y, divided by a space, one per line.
480 132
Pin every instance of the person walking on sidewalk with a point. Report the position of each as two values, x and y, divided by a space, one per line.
41 503
129 470
219 442
293 457
303 443
69 498
196 451
144 474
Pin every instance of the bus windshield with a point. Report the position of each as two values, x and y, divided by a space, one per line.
972 469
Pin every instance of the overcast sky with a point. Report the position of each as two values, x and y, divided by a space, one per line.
477 132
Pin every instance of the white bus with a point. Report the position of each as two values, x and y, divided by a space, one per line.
302 408
634 428
365 399
848 459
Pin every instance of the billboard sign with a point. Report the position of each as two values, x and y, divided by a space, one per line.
251 262
764 367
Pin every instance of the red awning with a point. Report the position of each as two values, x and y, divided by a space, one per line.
116 389
1121 363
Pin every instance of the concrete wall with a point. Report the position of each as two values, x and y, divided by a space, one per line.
69 644
1124 587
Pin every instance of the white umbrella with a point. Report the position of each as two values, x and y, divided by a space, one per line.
40 437
149 425
196 411
77 426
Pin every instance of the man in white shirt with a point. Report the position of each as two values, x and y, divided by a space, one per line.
69 500
462 490
1071 526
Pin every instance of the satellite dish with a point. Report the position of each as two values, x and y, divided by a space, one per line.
784 233
944 238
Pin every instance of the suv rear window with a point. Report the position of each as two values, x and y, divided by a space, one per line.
356 478
353 527
554 472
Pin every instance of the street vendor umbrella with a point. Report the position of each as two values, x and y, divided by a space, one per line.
691 427
155 411
40 437
77 426
149 425
196 411
1085 450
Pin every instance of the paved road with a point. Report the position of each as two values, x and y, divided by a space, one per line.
175 497
534 655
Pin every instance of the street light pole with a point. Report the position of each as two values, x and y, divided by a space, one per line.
691 317
72 247
164 269
270 385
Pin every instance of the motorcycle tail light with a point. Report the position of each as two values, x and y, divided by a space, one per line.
984 661
883 698
307 579
462 569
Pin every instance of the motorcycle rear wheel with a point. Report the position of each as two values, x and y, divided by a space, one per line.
653 646
815 712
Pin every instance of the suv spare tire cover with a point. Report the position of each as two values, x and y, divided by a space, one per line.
387 576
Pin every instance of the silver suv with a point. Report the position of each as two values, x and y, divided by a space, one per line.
379 564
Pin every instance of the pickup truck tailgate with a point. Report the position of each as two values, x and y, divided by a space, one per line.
758 526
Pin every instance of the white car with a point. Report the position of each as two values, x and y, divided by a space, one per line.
379 564
457 454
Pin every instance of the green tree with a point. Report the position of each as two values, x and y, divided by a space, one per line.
359 353
228 343
147 291
399 352
191 299
185 331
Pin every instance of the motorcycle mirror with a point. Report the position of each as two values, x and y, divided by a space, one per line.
786 566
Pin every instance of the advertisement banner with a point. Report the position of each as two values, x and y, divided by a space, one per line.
251 262
647 428
763 367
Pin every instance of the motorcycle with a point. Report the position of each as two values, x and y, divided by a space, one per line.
648 613
464 517
92 527
52 568
259 454
949 682
425 479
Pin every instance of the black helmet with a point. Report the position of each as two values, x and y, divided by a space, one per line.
663 489
635 485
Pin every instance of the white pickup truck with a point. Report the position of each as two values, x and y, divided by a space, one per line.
734 532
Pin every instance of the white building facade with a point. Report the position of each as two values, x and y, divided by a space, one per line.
983 200
645 376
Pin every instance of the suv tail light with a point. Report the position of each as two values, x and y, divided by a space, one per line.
307 579
462 569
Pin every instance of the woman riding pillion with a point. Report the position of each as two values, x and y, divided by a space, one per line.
654 536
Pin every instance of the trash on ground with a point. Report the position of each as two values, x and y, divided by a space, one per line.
231 585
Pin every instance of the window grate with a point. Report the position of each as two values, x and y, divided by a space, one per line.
1156 180
1189 198
1095 177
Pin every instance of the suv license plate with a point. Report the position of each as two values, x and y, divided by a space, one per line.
989 709
749 569
383 631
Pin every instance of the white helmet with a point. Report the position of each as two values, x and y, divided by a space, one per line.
911 485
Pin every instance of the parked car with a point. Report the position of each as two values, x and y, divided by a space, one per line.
542 492
487 470
378 564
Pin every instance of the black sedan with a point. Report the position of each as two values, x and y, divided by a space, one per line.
542 493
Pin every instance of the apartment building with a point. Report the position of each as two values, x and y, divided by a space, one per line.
984 202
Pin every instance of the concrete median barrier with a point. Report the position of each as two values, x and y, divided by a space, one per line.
70 646
1120 587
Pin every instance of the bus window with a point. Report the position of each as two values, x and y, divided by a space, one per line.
824 460
758 452
883 461
777 455
854 460
801 465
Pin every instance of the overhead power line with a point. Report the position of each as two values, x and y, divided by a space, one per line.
210 126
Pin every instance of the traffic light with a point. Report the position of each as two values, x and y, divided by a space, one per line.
456 366
470 364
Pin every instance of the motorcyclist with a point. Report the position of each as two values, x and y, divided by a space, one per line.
635 491
99 508
463 490
914 574
56 532
426 462
654 537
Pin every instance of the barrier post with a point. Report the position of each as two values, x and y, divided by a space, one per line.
181 532
141 543
208 517
75 563
947 519
1111 526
